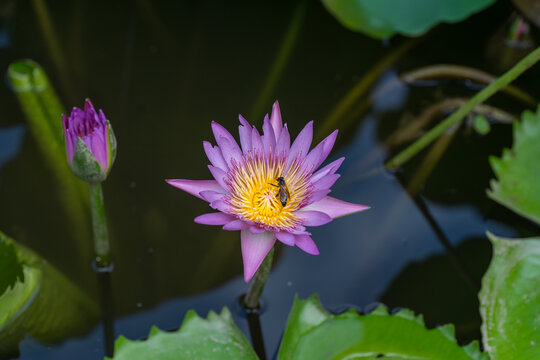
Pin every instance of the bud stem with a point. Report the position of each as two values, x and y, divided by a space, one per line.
99 225
251 301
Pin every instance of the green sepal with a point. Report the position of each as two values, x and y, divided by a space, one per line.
111 138
84 164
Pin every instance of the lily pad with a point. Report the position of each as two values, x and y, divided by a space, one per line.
518 170
40 301
11 270
313 333
384 18
215 337
510 299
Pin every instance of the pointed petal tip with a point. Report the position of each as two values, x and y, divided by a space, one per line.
255 247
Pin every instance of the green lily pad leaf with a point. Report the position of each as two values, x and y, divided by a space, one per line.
517 186
384 18
510 299
11 270
42 302
313 333
215 337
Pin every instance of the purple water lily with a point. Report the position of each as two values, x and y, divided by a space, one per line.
267 188
90 143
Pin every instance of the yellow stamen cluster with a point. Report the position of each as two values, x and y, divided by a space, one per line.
254 196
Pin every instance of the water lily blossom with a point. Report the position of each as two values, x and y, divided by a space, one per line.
268 188
90 143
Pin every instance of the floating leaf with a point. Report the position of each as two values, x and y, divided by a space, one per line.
11 270
42 303
215 337
313 333
510 299
384 18
517 186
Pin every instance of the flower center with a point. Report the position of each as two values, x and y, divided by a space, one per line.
255 191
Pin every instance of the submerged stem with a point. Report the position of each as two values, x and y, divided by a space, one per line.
99 226
251 301
456 117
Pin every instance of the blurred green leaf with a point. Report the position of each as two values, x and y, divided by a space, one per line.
42 303
481 125
510 299
518 170
215 337
384 18
313 333
11 270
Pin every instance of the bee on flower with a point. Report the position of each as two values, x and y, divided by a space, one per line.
267 188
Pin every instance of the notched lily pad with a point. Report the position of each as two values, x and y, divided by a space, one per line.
41 302
313 333
384 18
215 337
11 270
518 170
510 299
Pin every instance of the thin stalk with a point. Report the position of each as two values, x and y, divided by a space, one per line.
283 55
251 301
102 248
456 117
463 72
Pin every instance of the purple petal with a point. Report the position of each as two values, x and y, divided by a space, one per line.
301 144
71 139
243 121
195 187
236 225
326 182
312 161
230 152
285 237
255 247
221 206
269 139
328 169
305 243
256 142
313 218
220 132
255 229
275 120
326 146
245 137
211 196
284 142
316 195
214 155
219 175
217 218
334 207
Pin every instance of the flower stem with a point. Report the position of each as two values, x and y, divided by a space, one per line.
456 117
251 301
99 225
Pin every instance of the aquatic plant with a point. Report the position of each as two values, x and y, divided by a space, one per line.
267 188
90 143
91 150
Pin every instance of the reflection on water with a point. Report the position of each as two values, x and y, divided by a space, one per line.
162 72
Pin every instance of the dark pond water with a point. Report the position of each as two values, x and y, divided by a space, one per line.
162 71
